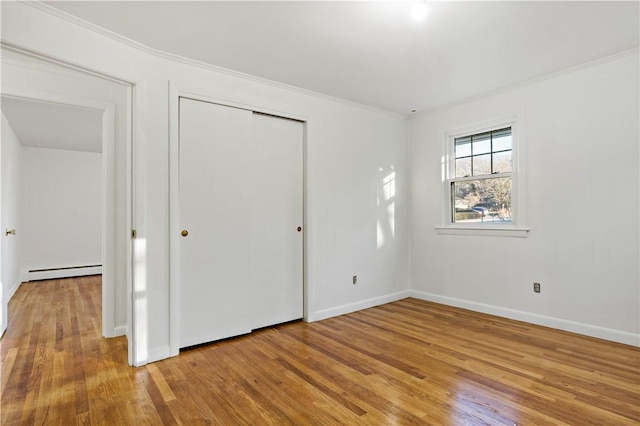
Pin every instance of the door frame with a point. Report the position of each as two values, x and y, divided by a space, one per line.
109 231
175 94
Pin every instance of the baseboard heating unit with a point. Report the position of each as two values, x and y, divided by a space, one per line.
64 272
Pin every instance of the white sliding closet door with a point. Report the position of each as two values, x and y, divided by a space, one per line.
276 249
241 205
215 210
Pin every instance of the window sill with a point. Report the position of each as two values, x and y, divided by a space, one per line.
487 231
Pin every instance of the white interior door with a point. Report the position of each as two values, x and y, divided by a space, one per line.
277 244
240 206
215 211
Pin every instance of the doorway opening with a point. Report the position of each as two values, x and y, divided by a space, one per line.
74 198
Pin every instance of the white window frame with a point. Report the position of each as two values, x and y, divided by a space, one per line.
517 226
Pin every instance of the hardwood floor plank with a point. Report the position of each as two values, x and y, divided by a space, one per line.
407 362
7 368
161 384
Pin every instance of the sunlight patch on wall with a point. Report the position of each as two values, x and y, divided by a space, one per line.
140 352
386 229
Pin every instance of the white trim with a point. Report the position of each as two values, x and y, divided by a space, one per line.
180 59
489 231
199 64
14 47
228 103
360 305
531 81
159 353
174 220
108 221
65 273
12 291
515 229
7 297
308 235
120 330
57 99
481 177
482 127
557 323
132 330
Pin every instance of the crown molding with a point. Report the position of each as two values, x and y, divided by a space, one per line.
36 4
531 81
66 66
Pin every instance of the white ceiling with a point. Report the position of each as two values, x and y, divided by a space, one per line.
55 126
373 52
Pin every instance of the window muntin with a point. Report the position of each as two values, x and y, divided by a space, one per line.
481 182
483 154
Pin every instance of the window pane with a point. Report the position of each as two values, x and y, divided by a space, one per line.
501 132
482 144
502 140
482 201
482 165
463 147
502 162
463 167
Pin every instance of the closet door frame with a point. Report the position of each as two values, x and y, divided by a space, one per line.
175 93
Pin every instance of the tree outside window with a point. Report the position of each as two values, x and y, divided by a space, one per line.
480 186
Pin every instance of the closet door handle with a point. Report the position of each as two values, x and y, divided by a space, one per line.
10 232
184 233
299 228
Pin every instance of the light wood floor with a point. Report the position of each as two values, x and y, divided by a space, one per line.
408 362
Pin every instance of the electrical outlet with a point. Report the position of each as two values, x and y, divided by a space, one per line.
536 287
355 279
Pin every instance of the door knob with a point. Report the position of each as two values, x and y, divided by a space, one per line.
299 228
184 233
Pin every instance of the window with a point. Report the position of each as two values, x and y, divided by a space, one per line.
480 181
483 181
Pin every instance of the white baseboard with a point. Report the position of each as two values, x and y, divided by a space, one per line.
64 273
8 297
13 290
120 330
558 323
357 306
159 353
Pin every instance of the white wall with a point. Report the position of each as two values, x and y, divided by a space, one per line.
346 146
587 264
62 215
582 198
11 157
